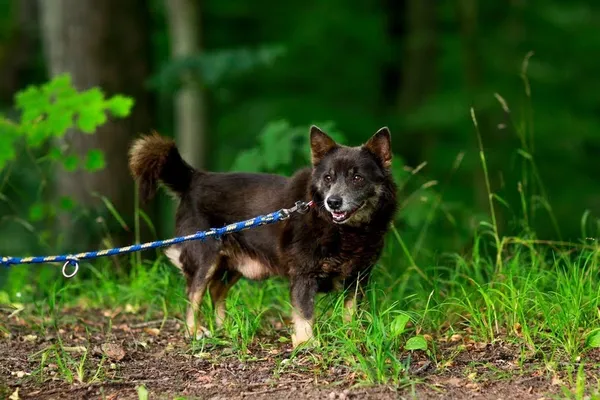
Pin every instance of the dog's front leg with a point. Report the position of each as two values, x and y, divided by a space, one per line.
303 293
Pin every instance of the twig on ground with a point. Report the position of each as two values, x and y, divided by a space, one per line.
264 391
153 322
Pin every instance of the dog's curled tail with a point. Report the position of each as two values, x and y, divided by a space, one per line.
154 158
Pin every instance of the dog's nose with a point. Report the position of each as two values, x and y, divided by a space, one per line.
334 202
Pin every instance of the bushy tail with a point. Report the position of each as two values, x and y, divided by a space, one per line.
154 158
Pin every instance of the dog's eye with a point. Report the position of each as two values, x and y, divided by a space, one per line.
327 178
357 178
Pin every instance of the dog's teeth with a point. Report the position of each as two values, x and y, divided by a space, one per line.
339 215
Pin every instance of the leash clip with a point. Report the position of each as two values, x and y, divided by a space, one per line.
303 207
75 264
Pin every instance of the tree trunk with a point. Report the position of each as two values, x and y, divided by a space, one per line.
419 66
418 70
101 43
190 117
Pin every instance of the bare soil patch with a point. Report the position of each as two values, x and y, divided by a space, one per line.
131 353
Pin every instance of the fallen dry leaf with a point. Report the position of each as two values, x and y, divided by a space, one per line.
556 381
456 337
123 327
113 351
143 344
131 309
480 345
204 379
75 349
112 313
518 329
454 382
152 331
30 338
15 395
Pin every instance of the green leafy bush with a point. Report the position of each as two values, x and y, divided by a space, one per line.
49 111
33 144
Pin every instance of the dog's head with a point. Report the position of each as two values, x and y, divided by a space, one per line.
349 182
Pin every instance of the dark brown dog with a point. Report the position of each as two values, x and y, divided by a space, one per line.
333 246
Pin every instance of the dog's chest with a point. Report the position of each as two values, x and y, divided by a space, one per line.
347 256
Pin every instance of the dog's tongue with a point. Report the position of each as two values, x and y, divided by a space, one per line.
338 215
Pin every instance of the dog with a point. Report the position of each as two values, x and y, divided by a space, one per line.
334 246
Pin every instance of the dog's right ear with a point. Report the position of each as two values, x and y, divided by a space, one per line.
320 144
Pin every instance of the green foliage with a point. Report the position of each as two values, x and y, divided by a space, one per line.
593 339
94 161
212 68
280 148
416 343
399 324
45 114
50 110
142 392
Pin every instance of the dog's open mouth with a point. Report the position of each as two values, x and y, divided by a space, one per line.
341 216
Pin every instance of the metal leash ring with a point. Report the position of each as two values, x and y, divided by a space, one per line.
75 264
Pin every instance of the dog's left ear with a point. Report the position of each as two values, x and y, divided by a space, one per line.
320 144
380 145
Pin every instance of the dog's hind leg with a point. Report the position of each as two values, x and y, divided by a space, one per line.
222 281
303 294
204 259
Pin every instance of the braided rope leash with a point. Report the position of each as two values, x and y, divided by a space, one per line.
301 207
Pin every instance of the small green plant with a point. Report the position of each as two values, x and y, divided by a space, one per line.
142 392
49 111
578 386
281 147
70 364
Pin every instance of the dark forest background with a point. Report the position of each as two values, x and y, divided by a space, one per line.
238 83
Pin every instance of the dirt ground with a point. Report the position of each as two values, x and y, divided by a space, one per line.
134 354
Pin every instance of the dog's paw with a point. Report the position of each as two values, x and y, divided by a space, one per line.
305 344
198 333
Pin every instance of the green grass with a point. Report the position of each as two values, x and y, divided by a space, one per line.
543 299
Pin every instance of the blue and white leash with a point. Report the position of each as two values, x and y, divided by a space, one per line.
301 207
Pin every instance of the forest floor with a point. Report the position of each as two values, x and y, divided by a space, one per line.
115 355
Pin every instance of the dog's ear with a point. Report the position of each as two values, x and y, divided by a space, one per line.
380 145
320 144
